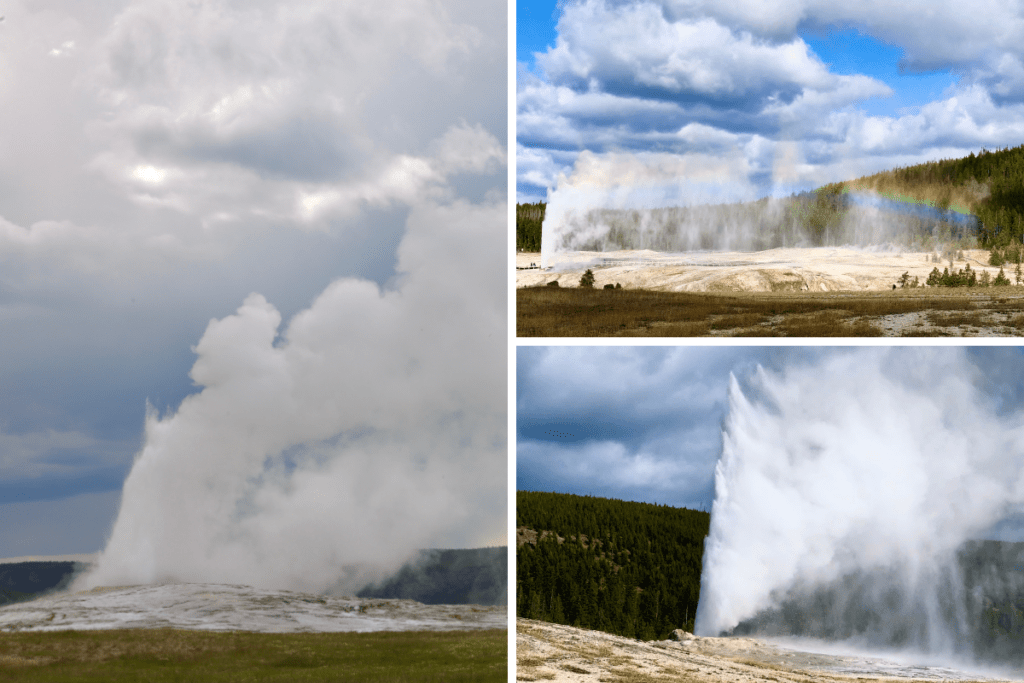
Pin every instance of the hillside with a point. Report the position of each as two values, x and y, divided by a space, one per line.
477 576
621 567
434 577
20 581
989 185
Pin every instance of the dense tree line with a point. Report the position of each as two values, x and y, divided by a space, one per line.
529 218
627 568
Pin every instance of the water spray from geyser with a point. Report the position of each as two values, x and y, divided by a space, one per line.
686 203
847 495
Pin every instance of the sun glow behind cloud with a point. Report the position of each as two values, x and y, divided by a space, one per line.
149 175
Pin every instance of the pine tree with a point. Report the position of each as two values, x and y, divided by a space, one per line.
587 280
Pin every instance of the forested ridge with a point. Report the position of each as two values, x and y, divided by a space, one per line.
626 568
988 185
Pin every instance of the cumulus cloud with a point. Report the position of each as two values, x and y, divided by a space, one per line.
678 60
644 75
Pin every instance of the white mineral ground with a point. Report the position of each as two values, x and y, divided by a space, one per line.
221 607
551 652
818 269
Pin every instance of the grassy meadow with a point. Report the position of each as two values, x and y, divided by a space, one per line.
159 655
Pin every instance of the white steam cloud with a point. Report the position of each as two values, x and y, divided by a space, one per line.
862 473
374 424
679 203
635 181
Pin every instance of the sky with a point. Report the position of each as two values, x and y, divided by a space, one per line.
645 423
761 98
188 190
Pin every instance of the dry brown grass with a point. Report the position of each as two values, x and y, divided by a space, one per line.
626 675
575 312
959 318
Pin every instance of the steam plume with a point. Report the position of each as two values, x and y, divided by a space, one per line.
374 426
694 202
853 481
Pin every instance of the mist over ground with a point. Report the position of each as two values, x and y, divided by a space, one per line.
805 220
848 498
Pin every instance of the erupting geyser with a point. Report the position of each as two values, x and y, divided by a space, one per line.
846 492
369 427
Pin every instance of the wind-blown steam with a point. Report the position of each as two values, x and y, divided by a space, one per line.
696 202
799 221
844 491
375 425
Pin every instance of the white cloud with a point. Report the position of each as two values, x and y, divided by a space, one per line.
684 76
598 44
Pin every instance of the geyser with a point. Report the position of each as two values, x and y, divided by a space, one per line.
368 427
846 497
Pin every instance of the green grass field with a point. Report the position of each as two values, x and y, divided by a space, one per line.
159 655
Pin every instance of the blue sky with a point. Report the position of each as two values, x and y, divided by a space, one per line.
787 94
186 188
645 423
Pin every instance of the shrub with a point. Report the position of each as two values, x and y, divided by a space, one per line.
588 279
